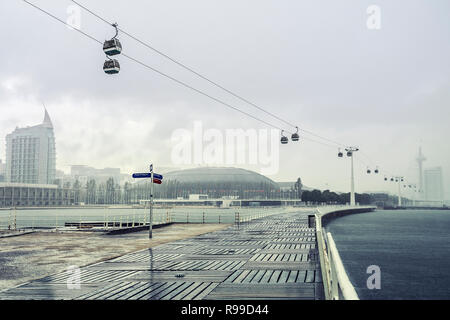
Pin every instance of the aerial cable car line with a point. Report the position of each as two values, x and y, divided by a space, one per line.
116 45
388 176
106 47
295 136
157 71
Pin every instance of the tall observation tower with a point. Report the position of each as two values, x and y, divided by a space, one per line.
420 159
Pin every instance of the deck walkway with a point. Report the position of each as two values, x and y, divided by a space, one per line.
269 258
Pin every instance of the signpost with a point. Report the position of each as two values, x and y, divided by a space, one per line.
154 178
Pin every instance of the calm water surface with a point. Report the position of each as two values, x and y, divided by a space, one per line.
411 247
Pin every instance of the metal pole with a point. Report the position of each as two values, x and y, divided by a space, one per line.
399 193
150 234
352 191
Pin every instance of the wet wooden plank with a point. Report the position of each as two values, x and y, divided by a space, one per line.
226 291
274 265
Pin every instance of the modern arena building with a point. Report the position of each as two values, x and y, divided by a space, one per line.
208 184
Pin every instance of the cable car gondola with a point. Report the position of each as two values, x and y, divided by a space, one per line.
376 170
340 154
112 47
284 140
295 136
111 66
368 171
349 153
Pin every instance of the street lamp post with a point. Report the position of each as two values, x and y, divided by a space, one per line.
150 234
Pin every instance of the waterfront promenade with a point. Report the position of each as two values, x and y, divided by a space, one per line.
268 258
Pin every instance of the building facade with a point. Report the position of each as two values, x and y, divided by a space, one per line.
31 154
2 171
34 195
433 184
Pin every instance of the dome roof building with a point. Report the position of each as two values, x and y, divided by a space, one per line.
216 182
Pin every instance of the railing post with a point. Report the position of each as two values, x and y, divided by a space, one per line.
334 281
15 218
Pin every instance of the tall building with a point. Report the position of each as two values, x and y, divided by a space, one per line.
31 154
433 184
84 173
2 171
420 159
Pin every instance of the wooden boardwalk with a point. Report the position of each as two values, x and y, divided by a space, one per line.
270 258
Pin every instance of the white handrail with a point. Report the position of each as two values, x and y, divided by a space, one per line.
335 280
342 280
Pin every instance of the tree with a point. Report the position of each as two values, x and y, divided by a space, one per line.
77 190
298 188
91 190
110 189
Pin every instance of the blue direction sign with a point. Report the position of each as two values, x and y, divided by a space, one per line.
147 175
157 176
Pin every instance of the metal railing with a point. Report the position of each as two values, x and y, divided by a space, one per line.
336 283
14 219
107 218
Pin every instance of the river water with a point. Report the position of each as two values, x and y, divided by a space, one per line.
411 248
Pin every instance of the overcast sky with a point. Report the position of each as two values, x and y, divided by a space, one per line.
313 63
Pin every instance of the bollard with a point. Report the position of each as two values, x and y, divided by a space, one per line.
219 218
203 217
311 221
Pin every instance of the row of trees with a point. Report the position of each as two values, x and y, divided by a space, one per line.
327 196
110 192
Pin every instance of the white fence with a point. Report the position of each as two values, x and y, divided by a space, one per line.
14 219
335 280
